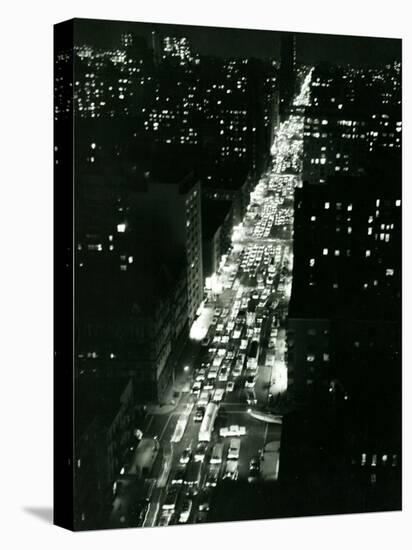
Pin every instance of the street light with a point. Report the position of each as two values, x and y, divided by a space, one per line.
186 368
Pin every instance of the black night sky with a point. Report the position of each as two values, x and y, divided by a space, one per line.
224 42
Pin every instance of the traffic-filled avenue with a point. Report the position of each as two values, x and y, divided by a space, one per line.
224 419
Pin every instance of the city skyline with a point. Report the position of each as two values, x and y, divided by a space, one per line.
230 42
236 241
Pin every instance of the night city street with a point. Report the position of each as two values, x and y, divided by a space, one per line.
217 321
237 237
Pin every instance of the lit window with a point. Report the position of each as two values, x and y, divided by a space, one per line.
121 227
130 259
377 202
363 459
325 251
337 252
335 285
349 207
323 161
123 267
110 237
310 358
374 460
327 205
398 203
326 357
349 230
367 253
93 145
370 219
312 262
369 230
390 272
313 218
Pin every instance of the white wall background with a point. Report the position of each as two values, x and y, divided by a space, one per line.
26 271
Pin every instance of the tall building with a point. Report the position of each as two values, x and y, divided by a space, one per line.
346 295
106 421
344 344
347 248
355 114
217 226
113 84
178 49
138 273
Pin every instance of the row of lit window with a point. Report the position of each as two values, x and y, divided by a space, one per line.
311 357
384 460
338 206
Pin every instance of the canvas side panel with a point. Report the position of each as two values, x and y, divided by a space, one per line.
63 275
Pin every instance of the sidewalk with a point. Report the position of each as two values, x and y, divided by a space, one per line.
170 401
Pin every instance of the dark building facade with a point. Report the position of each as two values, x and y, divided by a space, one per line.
138 272
106 420
344 332
355 115
217 226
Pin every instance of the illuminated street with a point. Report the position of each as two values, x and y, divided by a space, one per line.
247 302
237 274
